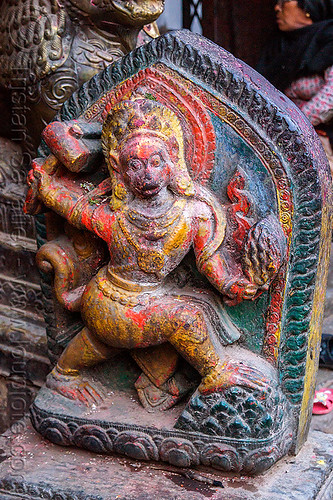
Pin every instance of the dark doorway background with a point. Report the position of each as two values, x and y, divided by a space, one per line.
240 26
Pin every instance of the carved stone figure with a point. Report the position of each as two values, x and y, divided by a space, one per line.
179 209
150 214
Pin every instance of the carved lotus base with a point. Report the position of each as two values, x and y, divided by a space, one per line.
190 434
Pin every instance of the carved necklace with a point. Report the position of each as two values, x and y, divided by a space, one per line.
152 261
160 222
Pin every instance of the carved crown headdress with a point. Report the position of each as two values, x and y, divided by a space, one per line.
139 116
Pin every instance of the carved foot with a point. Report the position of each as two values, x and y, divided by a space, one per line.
230 374
164 397
74 387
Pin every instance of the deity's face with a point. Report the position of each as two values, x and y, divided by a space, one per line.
127 12
145 166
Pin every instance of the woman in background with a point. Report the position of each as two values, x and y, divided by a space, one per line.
299 62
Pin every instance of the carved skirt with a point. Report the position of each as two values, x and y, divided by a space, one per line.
140 317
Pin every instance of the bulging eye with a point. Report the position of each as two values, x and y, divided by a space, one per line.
134 164
155 161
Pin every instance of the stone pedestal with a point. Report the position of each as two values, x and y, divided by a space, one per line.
34 468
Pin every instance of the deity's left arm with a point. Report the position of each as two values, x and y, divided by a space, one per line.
217 263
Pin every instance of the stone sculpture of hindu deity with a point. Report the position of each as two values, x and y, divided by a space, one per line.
191 282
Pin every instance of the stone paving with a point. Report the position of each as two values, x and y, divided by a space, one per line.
324 423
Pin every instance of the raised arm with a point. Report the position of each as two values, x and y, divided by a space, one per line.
54 186
66 193
57 180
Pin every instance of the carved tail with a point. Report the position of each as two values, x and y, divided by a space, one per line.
59 257
73 260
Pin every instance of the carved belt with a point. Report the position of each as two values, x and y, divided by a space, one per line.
125 292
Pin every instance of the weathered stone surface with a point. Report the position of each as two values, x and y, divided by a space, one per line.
214 205
55 473
16 395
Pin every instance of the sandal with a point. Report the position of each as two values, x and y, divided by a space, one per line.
326 351
323 401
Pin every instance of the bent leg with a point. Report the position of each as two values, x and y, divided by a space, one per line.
191 339
83 351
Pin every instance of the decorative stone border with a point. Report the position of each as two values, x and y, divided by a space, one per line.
179 448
